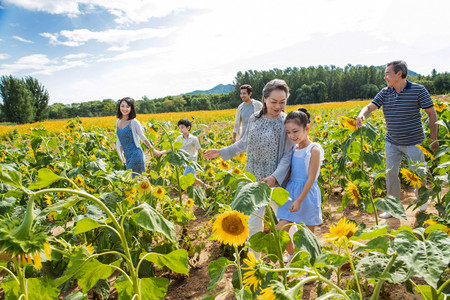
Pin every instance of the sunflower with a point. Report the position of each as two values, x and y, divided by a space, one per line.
130 192
411 178
440 107
324 133
89 248
131 199
254 275
83 208
430 222
340 232
231 228
167 172
353 192
144 187
223 165
210 172
267 294
236 171
350 123
366 148
189 202
48 200
51 216
79 180
425 152
159 192
20 242
242 158
318 119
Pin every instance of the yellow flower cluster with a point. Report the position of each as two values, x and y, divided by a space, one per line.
341 232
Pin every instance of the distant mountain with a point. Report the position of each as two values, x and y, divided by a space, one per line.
218 89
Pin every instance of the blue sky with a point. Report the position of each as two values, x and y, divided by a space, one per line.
83 50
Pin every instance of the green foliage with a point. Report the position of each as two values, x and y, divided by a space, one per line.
18 102
24 100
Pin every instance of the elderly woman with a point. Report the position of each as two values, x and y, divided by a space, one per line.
268 148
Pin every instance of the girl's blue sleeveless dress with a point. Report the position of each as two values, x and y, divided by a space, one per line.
310 211
133 154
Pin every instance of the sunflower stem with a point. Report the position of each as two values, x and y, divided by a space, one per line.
22 280
376 290
441 288
24 230
319 278
120 230
354 272
238 262
373 205
10 273
277 239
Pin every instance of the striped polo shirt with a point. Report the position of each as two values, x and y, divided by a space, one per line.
402 113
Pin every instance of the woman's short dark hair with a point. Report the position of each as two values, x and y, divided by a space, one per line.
130 103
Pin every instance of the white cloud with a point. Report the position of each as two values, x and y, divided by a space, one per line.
50 6
75 56
39 64
119 39
22 39
4 56
135 54
125 11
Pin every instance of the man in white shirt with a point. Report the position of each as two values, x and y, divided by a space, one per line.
244 111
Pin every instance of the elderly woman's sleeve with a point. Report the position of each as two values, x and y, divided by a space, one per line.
238 147
285 161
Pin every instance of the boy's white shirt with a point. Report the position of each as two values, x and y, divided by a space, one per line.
191 145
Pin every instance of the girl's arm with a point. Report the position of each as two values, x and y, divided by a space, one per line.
313 169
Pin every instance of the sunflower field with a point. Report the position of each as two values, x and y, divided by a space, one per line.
75 225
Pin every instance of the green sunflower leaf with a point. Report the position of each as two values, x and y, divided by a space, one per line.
44 179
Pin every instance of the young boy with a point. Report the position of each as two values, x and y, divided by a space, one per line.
190 145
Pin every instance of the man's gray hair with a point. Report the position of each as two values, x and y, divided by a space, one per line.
399 65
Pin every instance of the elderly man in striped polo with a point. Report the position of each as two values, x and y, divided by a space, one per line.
402 101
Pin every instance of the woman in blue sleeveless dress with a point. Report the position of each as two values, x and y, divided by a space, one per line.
129 133
304 203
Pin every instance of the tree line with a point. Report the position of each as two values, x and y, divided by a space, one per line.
25 99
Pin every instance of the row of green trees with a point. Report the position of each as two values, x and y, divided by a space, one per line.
25 100
330 83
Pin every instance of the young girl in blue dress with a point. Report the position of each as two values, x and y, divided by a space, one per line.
304 203
129 132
